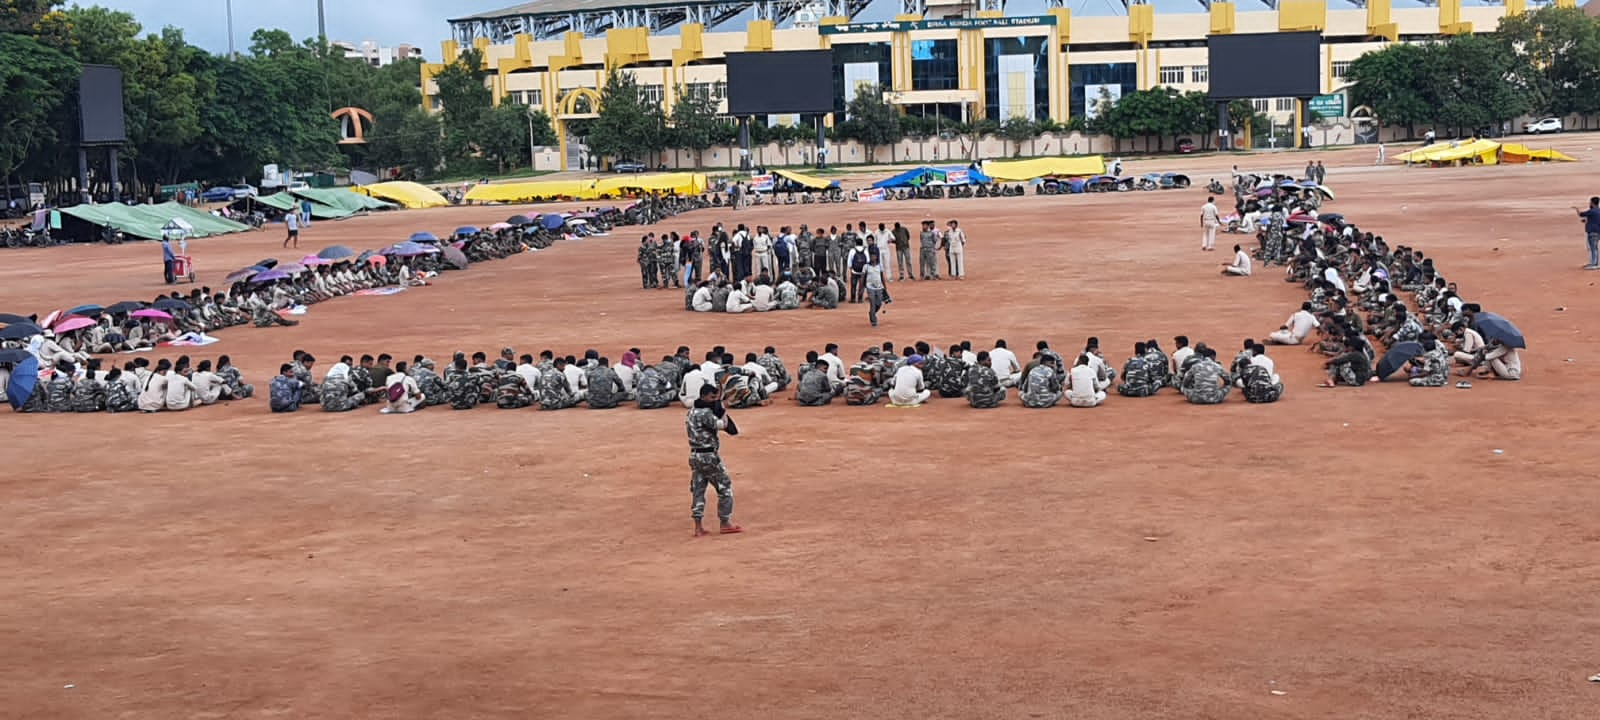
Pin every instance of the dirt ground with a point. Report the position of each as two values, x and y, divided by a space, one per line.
1364 552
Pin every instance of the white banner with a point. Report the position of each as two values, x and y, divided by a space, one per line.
761 183
873 195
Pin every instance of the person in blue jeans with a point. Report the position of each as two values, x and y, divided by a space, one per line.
167 261
1591 227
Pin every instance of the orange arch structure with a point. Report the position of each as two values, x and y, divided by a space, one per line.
353 124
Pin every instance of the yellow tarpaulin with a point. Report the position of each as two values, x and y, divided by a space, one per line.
1518 153
589 189
407 194
1485 152
814 183
1018 170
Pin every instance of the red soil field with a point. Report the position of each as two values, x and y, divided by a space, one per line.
1362 551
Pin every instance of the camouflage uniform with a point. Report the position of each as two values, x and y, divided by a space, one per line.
1160 368
311 393
605 388
462 388
339 395
1435 369
983 387
1240 362
1041 388
1258 385
434 391
120 399
286 394
815 388
655 391
263 317
953 382
57 393
554 393
231 378
1353 368
672 374
775 370
740 390
361 379
647 266
861 386
705 464
89 395
1136 380
1207 383
512 392
788 297
666 258
1409 330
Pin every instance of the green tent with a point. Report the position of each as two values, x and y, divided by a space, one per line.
344 200
285 202
145 221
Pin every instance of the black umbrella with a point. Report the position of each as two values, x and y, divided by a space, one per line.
170 303
454 258
126 306
1495 327
335 252
268 263
8 319
1397 357
20 331
519 220
14 356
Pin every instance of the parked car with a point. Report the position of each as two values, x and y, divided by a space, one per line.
297 185
220 193
629 167
1547 125
244 190
1186 146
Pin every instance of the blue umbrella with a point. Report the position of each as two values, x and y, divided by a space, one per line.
126 306
409 249
335 252
424 237
20 331
1397 357
552 221
269 276
86 310
9 318
24 378
1494 327
466 230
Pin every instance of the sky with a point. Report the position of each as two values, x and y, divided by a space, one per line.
421 23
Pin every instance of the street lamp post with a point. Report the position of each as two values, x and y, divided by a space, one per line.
531 157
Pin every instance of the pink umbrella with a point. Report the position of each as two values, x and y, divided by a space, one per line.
291 268
310 260
72 322
50 319
148 314
378 260
501 226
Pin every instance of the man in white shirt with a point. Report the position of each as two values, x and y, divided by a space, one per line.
956 240
1468 345
883 238
1182 353
763 298
1005 364
1296 328
738 301
713 364
1332 275
529 372
692 382
1259 357
576 379
1209 220
1504 361
1241 263
762 250
701 300
762 377
1085 388
909 388
835 365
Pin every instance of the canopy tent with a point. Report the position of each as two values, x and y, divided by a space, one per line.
918 177
1519 153
349 202
815 183
284 202
146 221
404 194
680 183
1018 170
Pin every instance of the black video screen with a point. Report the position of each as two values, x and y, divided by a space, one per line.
1266 65
100 97
772 83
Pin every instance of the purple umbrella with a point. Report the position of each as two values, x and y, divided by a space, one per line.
238 275
269 276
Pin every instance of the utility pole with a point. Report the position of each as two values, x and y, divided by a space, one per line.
531 157
231 53
322 23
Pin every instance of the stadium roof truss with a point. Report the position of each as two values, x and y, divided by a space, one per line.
548 19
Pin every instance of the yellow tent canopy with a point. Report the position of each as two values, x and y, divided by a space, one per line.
1519 153
815 183
407 194
1017 170
589 189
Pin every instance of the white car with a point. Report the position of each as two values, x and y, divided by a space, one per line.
244 190
1547 125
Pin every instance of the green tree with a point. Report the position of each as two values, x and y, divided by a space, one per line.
1018 130
628 128
1559 50
32 77
694 122
22 16
1471 79
503 133
1393 82
871 121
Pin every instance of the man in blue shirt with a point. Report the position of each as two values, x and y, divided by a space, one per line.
167 260
1591 226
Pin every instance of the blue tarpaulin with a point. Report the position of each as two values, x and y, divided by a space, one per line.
925 175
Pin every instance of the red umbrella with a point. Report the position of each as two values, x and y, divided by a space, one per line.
148 314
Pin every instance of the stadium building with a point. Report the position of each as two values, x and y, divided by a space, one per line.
960 59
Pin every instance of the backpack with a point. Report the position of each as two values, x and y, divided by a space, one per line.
396 392
859 262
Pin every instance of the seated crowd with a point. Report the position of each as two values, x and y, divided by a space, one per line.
136 386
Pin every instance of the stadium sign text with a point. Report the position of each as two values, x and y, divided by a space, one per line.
950 24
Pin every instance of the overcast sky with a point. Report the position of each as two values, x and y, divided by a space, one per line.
421 23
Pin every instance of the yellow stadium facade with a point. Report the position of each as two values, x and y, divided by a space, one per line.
982 64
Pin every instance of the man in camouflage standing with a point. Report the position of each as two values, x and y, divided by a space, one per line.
705 460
